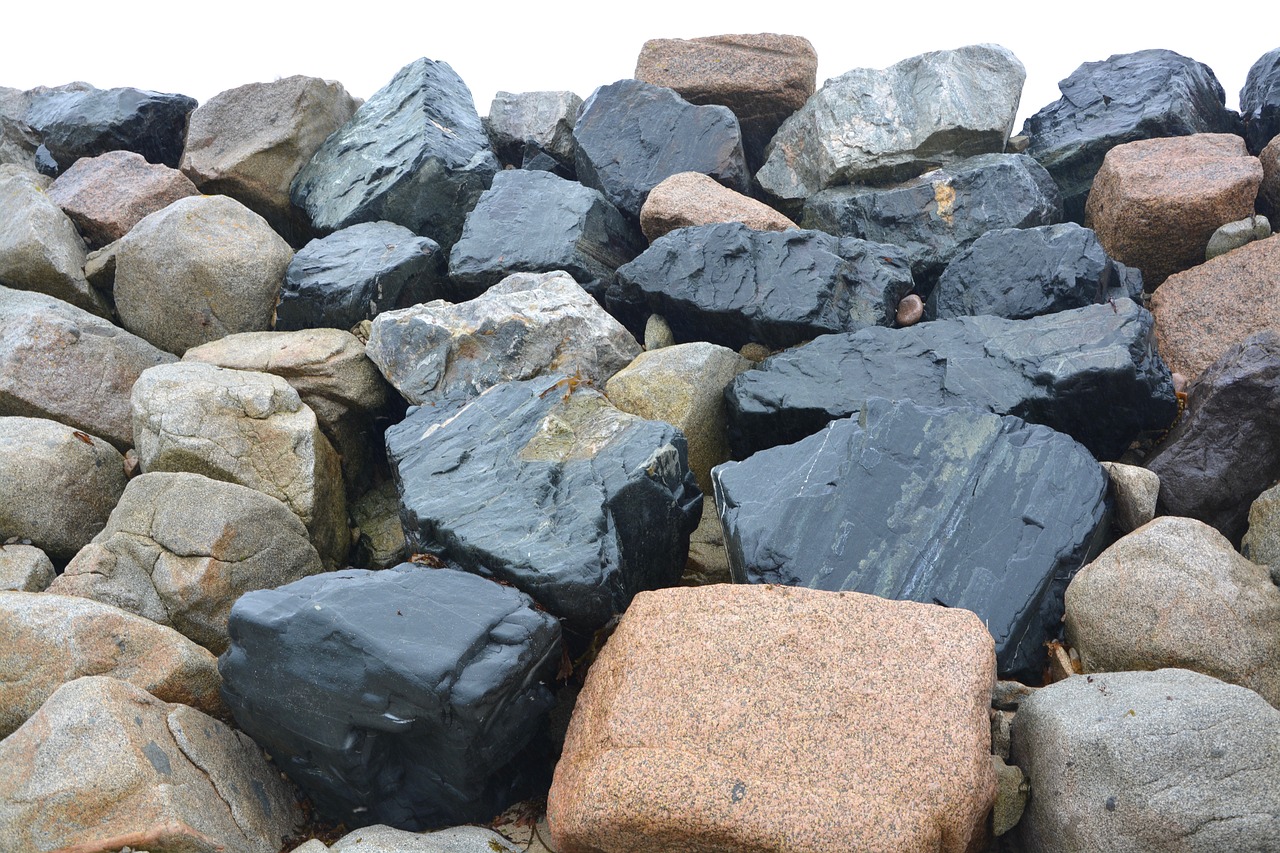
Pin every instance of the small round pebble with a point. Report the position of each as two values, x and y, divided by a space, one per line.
910 310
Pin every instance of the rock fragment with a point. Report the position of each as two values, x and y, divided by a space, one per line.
107 195
89 122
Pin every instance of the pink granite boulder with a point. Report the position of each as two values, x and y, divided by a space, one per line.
1269 192
107 195
692 198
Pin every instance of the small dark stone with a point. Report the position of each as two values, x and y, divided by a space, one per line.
1260 102
88 123
45 164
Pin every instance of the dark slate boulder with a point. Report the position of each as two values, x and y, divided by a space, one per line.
731 285
411 697
1225 449
358 272
953 506
72 125
1143 95
1018 273
1092 373
1260 102
414 154
534 221
632 135
551 489
938 214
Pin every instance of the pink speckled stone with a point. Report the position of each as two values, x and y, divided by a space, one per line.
740 717
692 198
109 194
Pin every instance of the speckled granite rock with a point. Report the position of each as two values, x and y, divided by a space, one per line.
1261 542
762 725
1269 193
75 124
24 568
1135 491
107 195
692 198
458 839
381 543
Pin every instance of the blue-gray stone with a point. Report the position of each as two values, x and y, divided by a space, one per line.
75 124
1260 101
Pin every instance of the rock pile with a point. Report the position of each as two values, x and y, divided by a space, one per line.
354 397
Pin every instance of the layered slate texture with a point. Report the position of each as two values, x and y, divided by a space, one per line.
1091 372
951 506
551 489
409 697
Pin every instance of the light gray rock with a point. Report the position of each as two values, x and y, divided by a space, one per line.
18 141
1135 491
24 568
376 514
1233 235
525 123
1139 761
200 269
873 126
458 839
1261 542
59 484
527 325
657 333
248 428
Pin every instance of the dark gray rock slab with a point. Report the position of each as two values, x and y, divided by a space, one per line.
1143 95
631 135
358 272
1092 373
410 697
1225 449
935 216
415 154
533 221
524 124
954 506
1018 273
732 285
72 125
1260 101
551 489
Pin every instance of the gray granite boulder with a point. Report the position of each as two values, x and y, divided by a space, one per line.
956 507
876 126
552 489
385 839
1260 101
525 124
107 195
24 568
410 697
1135 491
1233 235
75 124
1261 542
1131 762
18 141
1091 372
414 154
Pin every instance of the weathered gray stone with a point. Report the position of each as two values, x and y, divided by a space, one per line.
198 270
877 126
107 195
1132 762
526 123
457 839
1233 235
1135 491
24 568
376 514
1260 101
88 122
1261 542
17 140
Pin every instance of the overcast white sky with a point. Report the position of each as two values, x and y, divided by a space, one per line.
200 49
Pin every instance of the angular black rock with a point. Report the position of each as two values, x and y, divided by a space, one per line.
1260 101
357 273
1143 95
1092 373
550 489
1225 449
537 222
411 697
631 135
85 124
414 154
952 506
731 285
1018 273
938 214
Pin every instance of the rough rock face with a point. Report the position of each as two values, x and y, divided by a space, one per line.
1205 311
1135 491
632 135
75 124
385 839
750 746
1143 95
551 489
950 506
524 326
762 77
1156 202
250 143
526 124
537 222
408 697
1176 594
1225 449
49 640
732 285
377 514
149 775
202 268
40 248
357 273
1261 542
1233 235
65 364
1268 202
875 126
414 154
24 568
248 428
1017 273
1092 373
692 198
59 484
107 195
1140 761
179 549
18 142
935 216
1260 101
